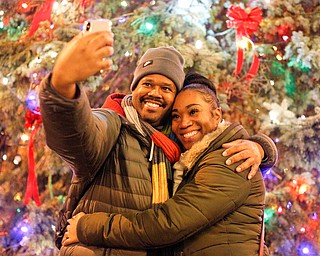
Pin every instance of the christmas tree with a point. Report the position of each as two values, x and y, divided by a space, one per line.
262 55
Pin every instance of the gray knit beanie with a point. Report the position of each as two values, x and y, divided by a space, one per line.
165 61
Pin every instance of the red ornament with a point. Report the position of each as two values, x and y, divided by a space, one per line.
32 120
43 14
245 24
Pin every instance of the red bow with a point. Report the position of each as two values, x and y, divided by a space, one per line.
245 24
33 120
44 13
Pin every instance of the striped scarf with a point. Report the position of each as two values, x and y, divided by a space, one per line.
163 151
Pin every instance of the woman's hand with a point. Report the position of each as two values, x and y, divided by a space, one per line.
247 150
70 236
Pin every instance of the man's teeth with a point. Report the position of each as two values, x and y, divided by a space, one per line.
154 105
190 134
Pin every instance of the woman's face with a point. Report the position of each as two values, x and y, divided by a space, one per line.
193 117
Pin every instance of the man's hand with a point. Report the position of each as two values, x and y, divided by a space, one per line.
83 56
70 236
246 150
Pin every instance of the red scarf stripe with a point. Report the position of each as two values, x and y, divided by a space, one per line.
170 148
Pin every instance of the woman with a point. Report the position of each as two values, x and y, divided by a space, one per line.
215 211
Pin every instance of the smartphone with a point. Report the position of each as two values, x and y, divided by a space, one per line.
95 25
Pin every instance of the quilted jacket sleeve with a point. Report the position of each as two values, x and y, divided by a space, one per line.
214 192
270 151
82 137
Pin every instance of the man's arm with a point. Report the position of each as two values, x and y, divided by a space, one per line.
258 151
82 57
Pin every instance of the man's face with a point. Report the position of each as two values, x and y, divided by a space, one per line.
153 98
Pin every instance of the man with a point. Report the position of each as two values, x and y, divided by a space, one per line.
120 164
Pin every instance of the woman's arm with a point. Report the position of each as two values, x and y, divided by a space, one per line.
214 192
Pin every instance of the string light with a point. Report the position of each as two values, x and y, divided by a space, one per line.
5 80
303 188
280 209
285 38
279 56
17 160
198 44
24 137
124 4
24 5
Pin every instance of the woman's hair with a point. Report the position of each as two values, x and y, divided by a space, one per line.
199 83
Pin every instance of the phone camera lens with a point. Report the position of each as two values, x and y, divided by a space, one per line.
88 26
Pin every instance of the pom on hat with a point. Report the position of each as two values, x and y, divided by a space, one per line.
166 61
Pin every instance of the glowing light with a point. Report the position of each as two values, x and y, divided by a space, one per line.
280 210
1 13
127 54
198 44
51 26
124 4
53 54
302 230
274 116
303 188
17 159
4 157
305 250
279 57
275 48
269 213
272 82
24 229
285 38
17 197
5 80
294 182
313 216
24 137
276 140
122 19
24 5
149 26
243 43
55 6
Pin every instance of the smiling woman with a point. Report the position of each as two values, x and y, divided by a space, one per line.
195 113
